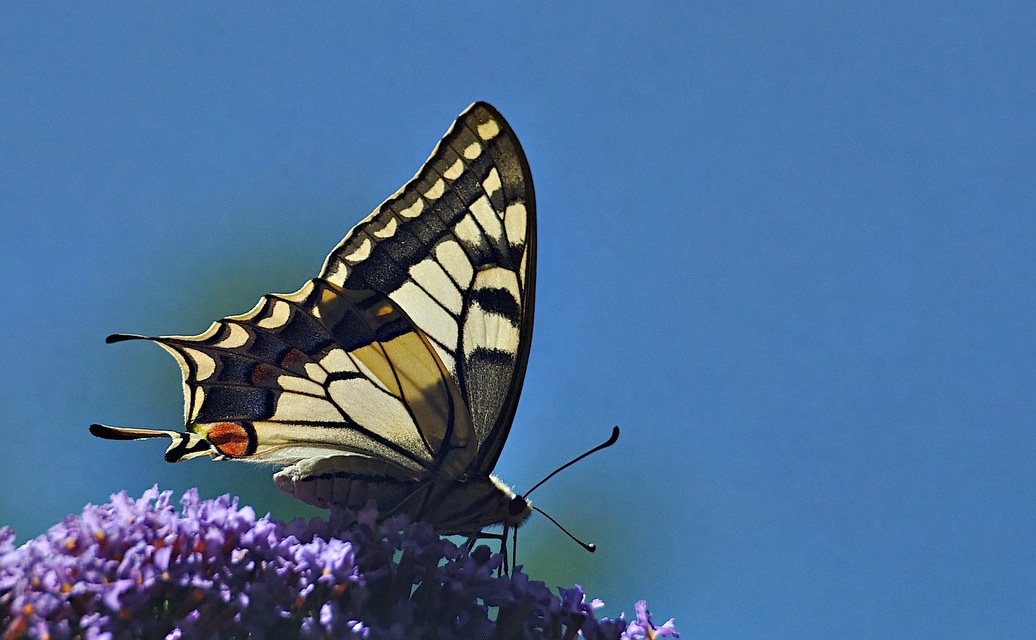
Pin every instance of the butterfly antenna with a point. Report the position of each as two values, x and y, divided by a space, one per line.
589 546
604 445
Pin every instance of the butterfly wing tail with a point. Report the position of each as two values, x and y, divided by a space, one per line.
183 447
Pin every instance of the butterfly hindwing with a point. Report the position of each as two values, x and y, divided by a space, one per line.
321 371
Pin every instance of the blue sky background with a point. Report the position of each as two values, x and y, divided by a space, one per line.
789 248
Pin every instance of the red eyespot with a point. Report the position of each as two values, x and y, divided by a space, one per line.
229 438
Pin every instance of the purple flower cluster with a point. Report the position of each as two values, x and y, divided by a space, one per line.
139 569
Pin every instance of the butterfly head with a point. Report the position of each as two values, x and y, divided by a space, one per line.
518 509
515 511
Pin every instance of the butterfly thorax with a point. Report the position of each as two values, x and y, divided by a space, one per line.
466 507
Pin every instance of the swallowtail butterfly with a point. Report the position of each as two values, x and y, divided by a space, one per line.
395 373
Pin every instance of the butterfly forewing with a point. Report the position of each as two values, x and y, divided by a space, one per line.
455 248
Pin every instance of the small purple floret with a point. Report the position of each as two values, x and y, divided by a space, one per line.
643 628
140 568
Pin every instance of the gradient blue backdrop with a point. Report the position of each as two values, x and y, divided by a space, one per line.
789 248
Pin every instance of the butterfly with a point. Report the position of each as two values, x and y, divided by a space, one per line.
394 374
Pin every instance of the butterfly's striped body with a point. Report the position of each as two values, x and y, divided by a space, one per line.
395 374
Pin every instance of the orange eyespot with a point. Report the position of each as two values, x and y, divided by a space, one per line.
262 374
294 357
229 438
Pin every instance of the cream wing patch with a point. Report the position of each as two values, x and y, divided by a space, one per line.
372 407
456 263
298 407
438 323
490 325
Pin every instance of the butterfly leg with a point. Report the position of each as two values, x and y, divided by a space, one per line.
502 537
504 568
514 547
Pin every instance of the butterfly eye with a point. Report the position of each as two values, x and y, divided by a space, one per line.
517 506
